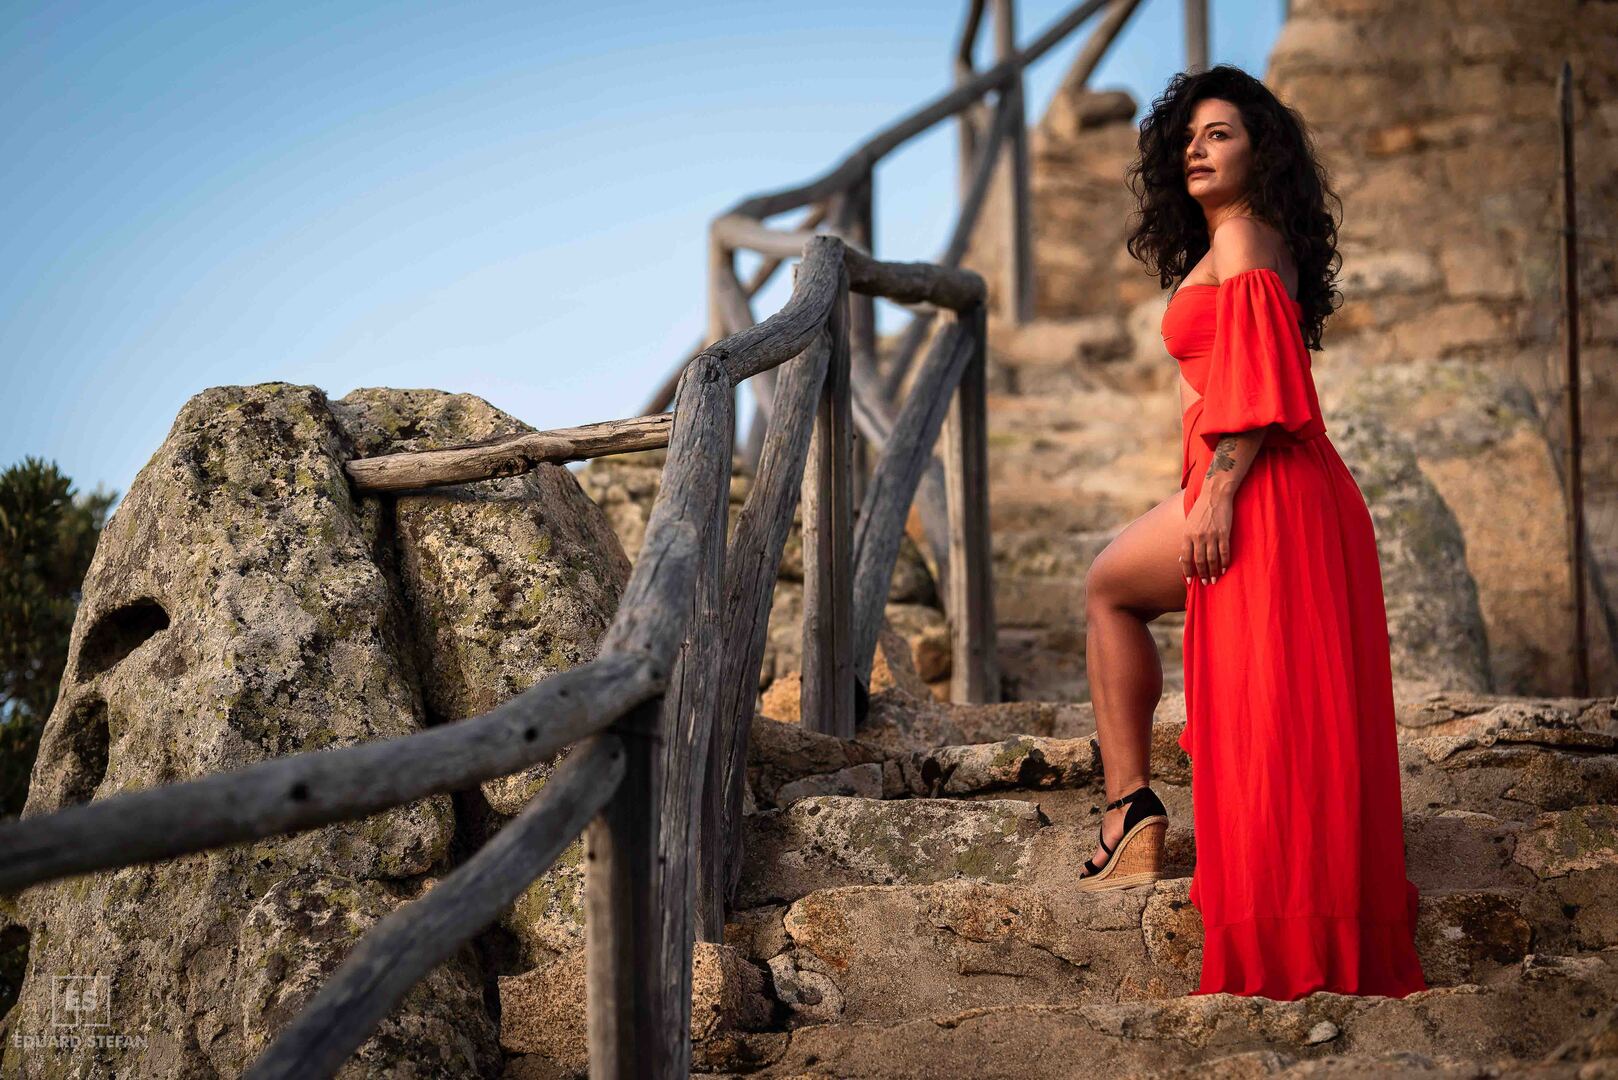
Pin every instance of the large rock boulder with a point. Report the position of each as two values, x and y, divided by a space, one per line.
244 605
1468 425
1436 633
508 581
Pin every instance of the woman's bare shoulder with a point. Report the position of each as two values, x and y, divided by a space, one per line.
1249 243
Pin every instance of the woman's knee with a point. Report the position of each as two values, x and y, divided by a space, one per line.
1103 584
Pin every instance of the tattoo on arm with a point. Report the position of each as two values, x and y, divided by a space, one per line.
1222 460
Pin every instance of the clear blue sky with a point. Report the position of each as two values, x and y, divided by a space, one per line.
508 199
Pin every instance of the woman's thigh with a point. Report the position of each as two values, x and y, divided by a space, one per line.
1140 569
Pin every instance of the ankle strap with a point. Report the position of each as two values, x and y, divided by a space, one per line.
1116 803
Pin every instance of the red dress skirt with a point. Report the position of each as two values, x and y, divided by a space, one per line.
1300 870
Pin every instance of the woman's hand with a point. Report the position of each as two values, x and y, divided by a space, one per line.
1205 553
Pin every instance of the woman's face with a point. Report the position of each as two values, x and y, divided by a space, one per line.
1218 153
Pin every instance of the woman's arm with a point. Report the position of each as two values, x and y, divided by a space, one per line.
1206 549
1232 456
1237 245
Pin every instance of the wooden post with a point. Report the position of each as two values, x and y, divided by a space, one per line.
638 850
862 320
1575 448
1196 35
1018 273
754 562
969 122
974 672
826 699
690 704
620 910
905 460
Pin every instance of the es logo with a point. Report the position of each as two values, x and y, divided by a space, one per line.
81 1000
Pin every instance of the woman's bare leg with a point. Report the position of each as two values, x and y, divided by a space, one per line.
1133 581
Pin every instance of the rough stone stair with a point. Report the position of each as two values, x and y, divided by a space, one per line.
912 909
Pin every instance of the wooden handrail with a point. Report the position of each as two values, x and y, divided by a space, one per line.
756 348
960 236
761 277
303 791
639 860
508 455
974 668
865 156
980 170
847 186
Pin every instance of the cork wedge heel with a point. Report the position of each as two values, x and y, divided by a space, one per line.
1138 858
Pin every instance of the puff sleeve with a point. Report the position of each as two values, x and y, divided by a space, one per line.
1258 372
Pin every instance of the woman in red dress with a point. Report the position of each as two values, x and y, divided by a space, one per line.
1269 550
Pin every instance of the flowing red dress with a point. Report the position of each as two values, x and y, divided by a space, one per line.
1300 868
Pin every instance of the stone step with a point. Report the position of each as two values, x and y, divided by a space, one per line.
1506 757
1016 929
888 953
827 841
1546 1007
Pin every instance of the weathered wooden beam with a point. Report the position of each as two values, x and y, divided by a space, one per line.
631 1028
705 398
863 358
302 791
1196 35
874 419
761 277
762 387
901 282
959 240
974 670
729 311
978 171
753 564
971 121
413 939
788 332
1017 268
508 455
862 305
893 486
737 231
915 282
826 692
874 149
968 37
621 919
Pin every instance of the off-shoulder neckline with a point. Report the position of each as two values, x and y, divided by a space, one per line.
1239 273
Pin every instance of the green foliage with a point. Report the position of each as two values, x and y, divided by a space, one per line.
48 533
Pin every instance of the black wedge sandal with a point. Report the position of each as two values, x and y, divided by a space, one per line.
1138 857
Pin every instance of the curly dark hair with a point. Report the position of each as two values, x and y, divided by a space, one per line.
1289 187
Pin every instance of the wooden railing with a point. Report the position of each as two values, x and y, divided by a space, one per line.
657 723
842 201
